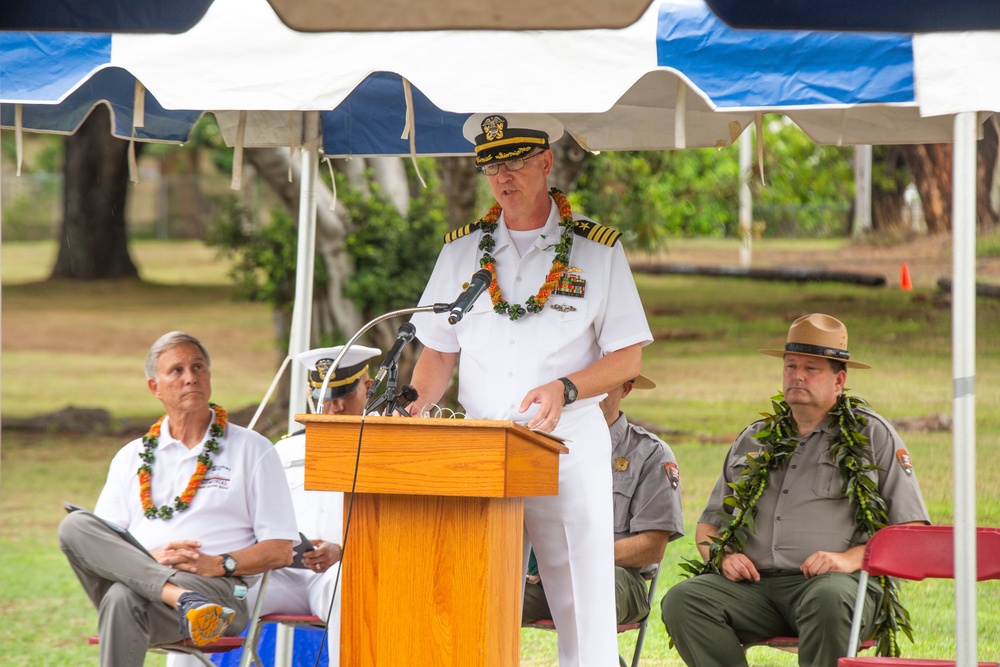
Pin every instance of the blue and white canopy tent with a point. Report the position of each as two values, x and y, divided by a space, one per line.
676 78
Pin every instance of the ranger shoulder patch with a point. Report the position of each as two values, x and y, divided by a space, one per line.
460 232
595 232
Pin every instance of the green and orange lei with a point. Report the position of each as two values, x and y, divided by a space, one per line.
515 311
853 457
183 501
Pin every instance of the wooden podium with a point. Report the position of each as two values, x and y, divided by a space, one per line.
432 562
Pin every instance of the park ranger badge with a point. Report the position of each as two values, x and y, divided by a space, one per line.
673 474
621 464
571 284
903 458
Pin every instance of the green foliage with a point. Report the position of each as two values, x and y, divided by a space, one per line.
809 188
393 256
652 195
263 260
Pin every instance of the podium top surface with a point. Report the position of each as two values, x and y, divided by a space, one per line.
478 458
536 437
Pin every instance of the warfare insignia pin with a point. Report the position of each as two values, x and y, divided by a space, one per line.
562 307
621 464
904 461
571 284
673 474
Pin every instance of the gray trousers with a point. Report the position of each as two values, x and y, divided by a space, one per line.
124 586
631 599
709 617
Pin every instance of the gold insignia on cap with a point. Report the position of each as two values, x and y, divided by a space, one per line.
323 366
621 464
493 127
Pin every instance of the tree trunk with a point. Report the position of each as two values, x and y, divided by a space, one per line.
459 177
931 168
889 180
569 159
336 313
93 243
987 198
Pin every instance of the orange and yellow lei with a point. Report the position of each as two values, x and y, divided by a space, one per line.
488 223
183 501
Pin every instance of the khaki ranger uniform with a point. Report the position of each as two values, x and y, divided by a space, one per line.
647 496
802 510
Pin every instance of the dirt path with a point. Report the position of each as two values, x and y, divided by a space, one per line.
927 259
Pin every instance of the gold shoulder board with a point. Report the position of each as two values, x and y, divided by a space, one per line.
460 232
596 232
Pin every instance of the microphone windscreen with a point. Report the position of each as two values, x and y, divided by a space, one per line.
407 394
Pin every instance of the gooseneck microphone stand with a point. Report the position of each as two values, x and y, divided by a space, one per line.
389 398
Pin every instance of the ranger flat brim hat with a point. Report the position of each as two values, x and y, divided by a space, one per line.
353 368
502 137
642 382
817 335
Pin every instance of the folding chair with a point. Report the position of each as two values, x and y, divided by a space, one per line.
547 624
916 553
220 645
791 644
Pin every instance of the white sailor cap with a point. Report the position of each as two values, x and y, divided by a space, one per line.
353 368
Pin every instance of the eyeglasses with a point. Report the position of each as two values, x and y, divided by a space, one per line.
517 164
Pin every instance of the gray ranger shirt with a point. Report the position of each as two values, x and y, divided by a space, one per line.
647 484
803 508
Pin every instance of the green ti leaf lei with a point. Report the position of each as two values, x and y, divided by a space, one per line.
853 457
534 304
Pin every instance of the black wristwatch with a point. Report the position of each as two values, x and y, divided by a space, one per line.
569 391
228 565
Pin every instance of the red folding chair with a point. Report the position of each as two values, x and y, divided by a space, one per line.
791 644
917 553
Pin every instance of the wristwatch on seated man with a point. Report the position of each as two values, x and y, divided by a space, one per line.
228 565
569 391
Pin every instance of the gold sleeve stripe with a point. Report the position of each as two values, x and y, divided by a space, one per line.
598 233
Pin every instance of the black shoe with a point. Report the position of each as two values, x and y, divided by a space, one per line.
202 620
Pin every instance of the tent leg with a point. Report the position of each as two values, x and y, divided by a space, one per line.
963 299
299 335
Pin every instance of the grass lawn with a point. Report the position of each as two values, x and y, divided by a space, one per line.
83 345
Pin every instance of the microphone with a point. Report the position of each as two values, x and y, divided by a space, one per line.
480 281
407 394
404 335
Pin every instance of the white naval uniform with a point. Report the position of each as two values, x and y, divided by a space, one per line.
501 361
319 515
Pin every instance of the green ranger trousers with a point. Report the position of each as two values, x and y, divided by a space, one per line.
631 598
709 617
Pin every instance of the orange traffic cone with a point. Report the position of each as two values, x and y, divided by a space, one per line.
905 283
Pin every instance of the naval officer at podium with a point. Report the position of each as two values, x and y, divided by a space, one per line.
560 324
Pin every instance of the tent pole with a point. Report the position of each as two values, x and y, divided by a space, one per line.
302 309
963 331
746 198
